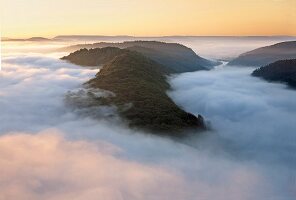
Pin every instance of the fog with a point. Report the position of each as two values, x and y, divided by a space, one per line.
211 47
48 150
226 48
251 119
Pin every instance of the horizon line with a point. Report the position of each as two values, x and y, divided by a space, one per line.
156 36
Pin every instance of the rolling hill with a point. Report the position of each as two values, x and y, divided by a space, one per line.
177 57
266 55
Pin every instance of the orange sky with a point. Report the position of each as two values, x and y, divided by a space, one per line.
26 18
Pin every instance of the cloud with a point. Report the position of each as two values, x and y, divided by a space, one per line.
45 166
225 47
33 89
252 114
253 120
49 151
48 166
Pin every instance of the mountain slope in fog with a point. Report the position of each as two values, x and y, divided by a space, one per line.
139 84
176 56
266 55
281 71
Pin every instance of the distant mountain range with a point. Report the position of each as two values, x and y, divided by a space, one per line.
139 85
128 38
165 38
280 71
92 37
266 55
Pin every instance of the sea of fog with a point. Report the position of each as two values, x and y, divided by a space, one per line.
49 151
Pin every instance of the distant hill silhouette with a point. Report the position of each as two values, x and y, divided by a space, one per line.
4 38
280 71
92 37
266 55
168 38
177 57
32 39
139 84
38 39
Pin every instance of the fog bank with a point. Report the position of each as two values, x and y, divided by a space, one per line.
49 151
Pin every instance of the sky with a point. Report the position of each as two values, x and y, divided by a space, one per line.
48 18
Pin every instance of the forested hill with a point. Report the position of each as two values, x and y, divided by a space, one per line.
177 57
139 84
280 71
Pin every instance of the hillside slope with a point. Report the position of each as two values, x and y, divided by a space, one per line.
266 55
280 71
177 57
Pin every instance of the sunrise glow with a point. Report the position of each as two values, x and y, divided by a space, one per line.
147 17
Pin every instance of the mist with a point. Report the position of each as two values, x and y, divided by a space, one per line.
50 151
252 117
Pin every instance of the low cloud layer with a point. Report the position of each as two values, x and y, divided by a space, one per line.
252 114
49 151
252 120
46 166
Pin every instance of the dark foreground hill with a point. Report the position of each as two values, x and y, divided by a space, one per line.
177 57
139 84
266 55
280 71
